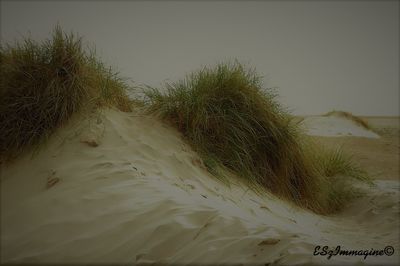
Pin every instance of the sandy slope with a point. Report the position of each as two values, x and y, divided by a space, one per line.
333 126
142 195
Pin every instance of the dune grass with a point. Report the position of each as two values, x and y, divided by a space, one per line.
358 120
336 162
227 116
43 84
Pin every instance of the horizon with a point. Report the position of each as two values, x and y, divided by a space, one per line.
321 55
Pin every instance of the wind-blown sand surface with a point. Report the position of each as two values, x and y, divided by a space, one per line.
123 187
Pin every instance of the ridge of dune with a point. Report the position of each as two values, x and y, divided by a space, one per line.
335 126
124 187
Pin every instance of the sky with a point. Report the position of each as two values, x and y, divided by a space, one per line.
322 55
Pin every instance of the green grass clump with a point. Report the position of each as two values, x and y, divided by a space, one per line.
43 84
337 170
235 124
336 162
358 120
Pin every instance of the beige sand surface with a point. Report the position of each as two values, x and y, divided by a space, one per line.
126 188
380 157
334 126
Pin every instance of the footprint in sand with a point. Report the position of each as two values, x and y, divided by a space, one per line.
190 186
52 180
270 241
139 256
90 142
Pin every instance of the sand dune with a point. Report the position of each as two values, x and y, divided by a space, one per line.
123 187
333 126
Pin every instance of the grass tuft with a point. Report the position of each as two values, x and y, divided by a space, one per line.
235 124
43 84
336 162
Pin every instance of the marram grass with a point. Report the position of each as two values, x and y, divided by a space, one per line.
336 162
43 84
234 123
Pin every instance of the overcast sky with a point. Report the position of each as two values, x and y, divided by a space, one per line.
322 55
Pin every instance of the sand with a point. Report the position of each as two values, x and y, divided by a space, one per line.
334 126
376 150
125 188
379 157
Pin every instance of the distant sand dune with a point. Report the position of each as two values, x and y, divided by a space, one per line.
335 126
